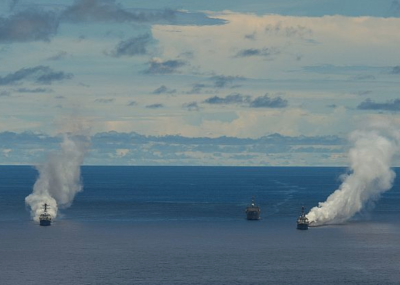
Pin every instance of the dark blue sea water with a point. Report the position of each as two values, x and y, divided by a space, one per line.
186 225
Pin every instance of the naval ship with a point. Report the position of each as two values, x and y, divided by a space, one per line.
45 218
253 211
302 221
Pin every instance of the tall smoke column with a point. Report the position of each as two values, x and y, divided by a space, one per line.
59 177
370 174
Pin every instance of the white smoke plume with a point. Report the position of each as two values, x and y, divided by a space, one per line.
370 174
59 176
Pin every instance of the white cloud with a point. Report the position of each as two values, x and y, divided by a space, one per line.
329 39
6 152
297 42
121 152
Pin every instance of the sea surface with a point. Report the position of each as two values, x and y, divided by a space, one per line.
186 225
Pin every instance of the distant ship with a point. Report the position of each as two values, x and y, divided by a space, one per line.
302 221
45 218
253 211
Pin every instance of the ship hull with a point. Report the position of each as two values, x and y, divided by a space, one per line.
302 226
45 223
253 215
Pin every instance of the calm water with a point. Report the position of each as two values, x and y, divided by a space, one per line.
185 225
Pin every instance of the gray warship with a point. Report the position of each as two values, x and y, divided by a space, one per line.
253 211
302 221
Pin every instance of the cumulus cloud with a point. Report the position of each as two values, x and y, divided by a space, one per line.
132 46
259 102
58 56
394 9
192 106
36 24
49 77
30 25
5 93
267 102
390 105
164 90
39 74
155 106
169 148
110 11
35 90
363 77
362 92
251 37
395 70
197 88
187 55
13 3
104 100
221 81
230 99
157 66
288 31
257 52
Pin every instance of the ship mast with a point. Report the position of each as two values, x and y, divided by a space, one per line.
45 207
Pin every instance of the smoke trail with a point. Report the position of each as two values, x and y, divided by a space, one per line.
59 177
370 174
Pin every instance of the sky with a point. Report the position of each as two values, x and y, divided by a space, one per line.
252 83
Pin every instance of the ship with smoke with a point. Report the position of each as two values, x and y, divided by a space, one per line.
45 218
60 175
253 211
302 221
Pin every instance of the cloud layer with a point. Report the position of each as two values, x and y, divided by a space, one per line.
259 102
132 148
110 11
158 66
241 73
32 25
391 105
39 74
132 46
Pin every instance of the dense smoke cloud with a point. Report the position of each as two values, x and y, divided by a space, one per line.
370 174
59 176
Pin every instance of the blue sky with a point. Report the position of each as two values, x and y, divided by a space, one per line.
291 79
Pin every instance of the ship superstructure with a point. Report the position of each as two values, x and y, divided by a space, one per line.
45 218
253 211
302 221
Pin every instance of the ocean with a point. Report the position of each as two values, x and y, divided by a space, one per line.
186 225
